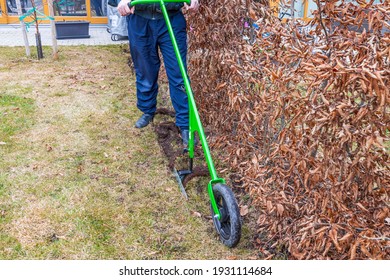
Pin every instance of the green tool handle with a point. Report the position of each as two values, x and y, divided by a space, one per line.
195 122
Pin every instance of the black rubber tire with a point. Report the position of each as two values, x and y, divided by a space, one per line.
229 226
115 37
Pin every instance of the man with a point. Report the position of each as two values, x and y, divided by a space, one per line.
147 35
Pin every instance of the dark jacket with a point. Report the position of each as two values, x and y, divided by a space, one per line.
153 11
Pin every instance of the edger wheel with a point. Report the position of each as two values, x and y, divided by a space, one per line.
229 226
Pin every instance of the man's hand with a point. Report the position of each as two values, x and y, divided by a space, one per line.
123 8
194 6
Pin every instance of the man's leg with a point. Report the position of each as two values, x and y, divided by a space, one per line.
176 83
144 53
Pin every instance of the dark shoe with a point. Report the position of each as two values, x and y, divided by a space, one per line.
144 120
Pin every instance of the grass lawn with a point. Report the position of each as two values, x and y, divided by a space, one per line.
77 180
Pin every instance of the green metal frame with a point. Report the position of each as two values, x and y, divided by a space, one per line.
195 124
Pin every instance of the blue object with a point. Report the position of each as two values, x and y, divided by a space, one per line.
144 120
266 34
146 36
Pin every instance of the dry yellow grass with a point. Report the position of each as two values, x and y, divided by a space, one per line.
77 180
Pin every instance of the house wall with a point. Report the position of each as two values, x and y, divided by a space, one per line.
94 11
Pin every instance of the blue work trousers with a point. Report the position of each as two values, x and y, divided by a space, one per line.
146 38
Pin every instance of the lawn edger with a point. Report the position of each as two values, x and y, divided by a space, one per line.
224 208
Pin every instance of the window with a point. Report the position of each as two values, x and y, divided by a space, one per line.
26 5
69 8
311 7
98 8
286 12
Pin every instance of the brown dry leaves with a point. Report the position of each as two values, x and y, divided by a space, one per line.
304 116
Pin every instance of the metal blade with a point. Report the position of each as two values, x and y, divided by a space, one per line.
182 189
